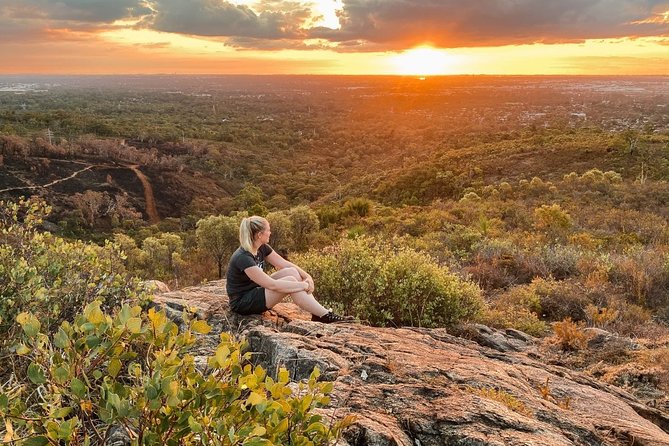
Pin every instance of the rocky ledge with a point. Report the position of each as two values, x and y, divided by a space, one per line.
423 387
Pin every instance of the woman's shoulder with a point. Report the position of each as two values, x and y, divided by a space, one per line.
265 249
240 252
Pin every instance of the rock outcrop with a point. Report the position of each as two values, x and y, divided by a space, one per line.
423 387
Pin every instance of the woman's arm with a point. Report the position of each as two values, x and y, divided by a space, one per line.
280 263
258 276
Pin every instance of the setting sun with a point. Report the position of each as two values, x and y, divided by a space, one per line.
424 61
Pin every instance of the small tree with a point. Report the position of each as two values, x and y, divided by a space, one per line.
631 138
160 253
90 204
251 199
282 230
304 223
218 236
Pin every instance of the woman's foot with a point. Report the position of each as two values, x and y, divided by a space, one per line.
331 317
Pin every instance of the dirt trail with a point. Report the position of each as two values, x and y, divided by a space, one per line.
48 184
151 210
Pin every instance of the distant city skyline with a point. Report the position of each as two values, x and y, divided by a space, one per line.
416 37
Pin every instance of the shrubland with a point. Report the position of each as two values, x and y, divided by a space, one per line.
85 355
409 205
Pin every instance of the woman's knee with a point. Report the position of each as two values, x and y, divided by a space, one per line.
287 272
292 272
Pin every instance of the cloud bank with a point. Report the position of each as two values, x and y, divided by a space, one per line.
365 25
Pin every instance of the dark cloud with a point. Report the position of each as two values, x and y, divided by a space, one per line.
224 19
366 25
393 24
91 11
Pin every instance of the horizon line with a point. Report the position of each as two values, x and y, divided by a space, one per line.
343 74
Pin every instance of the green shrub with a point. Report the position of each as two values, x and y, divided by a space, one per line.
52 277
561 299
517 308
557 261
134 370
360 207
518 318
498 263
387 286
552 220
644 275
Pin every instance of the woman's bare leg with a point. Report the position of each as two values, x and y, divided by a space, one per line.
286 272
303 300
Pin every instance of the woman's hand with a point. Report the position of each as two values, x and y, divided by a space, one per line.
310 282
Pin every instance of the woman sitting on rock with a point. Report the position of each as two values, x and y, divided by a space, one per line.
252 291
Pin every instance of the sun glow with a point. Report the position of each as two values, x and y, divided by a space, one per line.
425 61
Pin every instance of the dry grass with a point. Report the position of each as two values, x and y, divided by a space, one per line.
503 397
569 335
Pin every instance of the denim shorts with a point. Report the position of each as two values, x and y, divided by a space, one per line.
251 302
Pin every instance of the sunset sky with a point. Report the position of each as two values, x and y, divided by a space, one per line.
335 36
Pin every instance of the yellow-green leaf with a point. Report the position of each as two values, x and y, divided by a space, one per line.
134 325
94 314
201 327
222 354
258 431
29 323
255 398
22 350
114 367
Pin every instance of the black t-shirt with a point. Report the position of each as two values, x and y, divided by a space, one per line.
237 282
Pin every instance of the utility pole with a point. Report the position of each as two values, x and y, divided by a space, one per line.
49 134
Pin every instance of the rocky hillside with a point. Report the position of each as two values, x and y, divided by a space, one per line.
422 387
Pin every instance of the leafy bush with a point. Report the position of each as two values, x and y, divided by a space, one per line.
389 286
134 370
358 206
52 277
561 299
518 318
552 220
518 308
644 275
498 263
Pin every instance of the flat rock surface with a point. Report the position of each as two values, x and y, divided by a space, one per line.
413 386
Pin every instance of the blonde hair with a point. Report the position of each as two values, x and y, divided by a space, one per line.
250 227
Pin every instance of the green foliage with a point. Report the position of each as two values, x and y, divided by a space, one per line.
51 277
134 369
519 308
252 200
304 224
219 237
515 317
553 220
282 230
388 286
163 256
561 299
358 206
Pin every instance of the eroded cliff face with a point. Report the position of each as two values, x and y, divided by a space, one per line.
420 387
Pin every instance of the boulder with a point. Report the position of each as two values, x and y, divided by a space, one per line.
416 386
